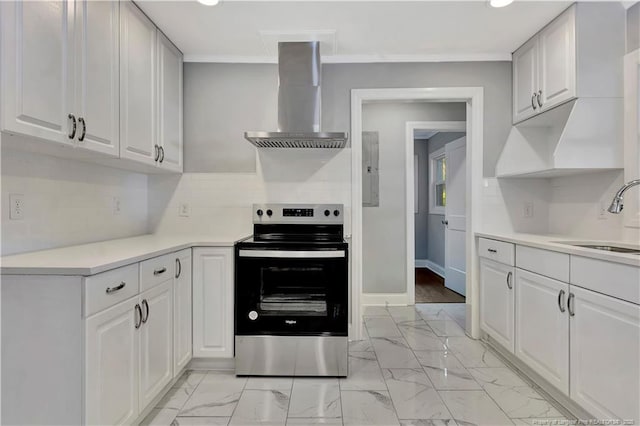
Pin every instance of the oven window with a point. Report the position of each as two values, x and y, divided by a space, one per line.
300 291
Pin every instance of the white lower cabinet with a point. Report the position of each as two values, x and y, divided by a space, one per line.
497 300
605 355
542 326
112 365
213 302
182 302
156 340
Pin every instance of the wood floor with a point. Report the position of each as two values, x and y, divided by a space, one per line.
430 289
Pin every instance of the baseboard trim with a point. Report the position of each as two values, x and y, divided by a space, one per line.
433 267
565 405
384 299
212 364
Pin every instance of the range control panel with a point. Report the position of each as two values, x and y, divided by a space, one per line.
298 213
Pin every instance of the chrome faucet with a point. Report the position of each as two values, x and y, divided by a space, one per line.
617 203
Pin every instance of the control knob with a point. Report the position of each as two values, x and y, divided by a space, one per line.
259 212
327 212
336 213
269 212
253 315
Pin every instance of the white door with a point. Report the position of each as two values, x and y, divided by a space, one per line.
542 326
213 302
525 80
605 354
170 104
138 108
156 341
97 75
455 216
36 69
182 303
112 357
557 65
497 300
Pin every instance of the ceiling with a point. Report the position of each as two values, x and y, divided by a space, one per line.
351 31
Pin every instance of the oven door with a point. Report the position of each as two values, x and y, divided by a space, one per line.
291 292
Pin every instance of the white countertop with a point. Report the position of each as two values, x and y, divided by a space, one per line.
93 258
551 242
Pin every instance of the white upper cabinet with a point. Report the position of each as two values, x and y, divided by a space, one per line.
525 80
169 104
97 75
575 55
557 61
138 140
37 70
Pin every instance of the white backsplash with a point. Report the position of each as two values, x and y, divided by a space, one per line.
68 202
220 203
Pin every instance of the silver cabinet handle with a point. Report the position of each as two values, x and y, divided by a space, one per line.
138 313
84 129
160 271
72 134
533 102
539 97
509 283
570 305
178 268
492 250
116 288
157 150
145 305
161 154
561 301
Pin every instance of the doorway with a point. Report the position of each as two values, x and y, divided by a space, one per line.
473 98
439 210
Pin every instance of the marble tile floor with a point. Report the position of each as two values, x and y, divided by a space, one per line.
416 367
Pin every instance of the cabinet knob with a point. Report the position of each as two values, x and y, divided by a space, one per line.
539 98
533 102
72 133
84 129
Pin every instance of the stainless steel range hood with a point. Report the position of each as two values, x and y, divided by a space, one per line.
299 103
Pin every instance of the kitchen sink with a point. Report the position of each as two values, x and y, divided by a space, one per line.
603 246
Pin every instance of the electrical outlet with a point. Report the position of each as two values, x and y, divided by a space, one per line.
527 209
117 206
184 210
16 201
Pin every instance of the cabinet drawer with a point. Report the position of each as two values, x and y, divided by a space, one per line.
614 279
544 262
111 287
157 270
498 251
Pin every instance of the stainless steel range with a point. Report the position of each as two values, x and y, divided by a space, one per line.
291 298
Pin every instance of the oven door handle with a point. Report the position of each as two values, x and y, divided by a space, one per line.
290 254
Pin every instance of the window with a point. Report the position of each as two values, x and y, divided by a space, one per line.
437 182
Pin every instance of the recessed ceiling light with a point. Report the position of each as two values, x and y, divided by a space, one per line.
496 3
209 2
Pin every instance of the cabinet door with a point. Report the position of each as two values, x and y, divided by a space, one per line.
213 302
497 301
170 104
112 356
542 326
36 60
605 341
137 85
557 65
182 302
97 75
156 341
525 80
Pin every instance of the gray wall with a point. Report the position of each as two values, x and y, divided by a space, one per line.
223 100
633 28
384 228
435 228
422 217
